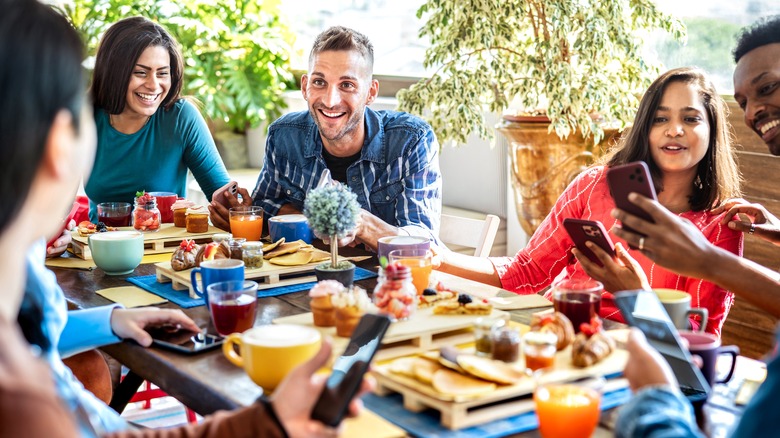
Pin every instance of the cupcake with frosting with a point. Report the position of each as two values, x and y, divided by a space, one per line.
180 212
350 305
197 219
321 305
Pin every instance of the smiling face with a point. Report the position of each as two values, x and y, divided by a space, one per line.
337 88
680 132
757 91
149 83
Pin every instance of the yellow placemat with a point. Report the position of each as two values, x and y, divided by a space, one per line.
371 424
131 296
69 260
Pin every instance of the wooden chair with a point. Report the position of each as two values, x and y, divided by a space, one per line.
472 233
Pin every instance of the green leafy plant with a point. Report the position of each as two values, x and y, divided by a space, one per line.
332 210
235 51
573 58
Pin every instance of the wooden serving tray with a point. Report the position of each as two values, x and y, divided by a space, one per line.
505 401
267 276
423 332
166 240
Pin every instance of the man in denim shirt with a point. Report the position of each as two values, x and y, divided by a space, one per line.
389 159
658 409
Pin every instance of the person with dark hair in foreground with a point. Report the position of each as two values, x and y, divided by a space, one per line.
47 143
658 408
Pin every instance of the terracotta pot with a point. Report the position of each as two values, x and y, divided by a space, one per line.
543 165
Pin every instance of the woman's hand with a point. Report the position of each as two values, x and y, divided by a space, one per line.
295 397
620 273
61 244
762 223
220 214
645 366
130 323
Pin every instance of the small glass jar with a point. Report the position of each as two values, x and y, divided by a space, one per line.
506 344
539 349
252 254
395 294
483 334
146 216
219 237
236 252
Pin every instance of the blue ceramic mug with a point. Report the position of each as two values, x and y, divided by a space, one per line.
290 226
215 271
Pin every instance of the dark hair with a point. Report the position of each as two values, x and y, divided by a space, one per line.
717 176
340 38
40 75
763 32
117 54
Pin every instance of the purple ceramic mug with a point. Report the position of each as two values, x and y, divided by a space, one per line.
707 346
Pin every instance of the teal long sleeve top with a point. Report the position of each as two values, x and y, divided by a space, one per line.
155 158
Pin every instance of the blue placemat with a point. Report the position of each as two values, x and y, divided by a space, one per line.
182 297
426 423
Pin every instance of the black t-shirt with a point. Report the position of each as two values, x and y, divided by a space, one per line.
338 165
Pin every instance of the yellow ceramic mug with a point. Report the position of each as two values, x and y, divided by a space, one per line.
267 353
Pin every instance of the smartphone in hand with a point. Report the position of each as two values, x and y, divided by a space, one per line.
219 194
183 341
628 178
582 231
348 370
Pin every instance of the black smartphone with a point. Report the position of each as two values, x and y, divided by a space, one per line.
581 231
642 309
183 341
631 177
219 194
348 370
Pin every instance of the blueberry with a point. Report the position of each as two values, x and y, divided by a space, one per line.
464 298
429 292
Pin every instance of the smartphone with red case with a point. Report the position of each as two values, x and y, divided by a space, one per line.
71 214
628 178
582 231
219 194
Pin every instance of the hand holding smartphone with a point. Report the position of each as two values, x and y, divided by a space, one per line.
348 370
219 194
183 341
628 178
582 231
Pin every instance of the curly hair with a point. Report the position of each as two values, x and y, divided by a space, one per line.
763 32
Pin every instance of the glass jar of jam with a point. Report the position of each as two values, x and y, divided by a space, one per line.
506 344
483 334
236 252
395 294
146 215
539 349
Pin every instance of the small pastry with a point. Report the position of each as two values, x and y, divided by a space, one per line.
429 297
212 251
197 220
321 306
591 345
350 305
464 305
184 256
556 323
180 212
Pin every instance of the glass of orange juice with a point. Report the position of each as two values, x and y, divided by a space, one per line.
419 261
246 222
578 403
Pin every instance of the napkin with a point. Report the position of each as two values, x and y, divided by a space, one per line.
519 302
131 296
69 260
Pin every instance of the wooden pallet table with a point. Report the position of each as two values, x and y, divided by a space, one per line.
166 240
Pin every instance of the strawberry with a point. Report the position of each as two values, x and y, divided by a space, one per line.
592 328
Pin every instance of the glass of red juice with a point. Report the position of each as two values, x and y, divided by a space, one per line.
114 214
579 300
232 305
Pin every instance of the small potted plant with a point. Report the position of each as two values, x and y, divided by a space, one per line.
332 212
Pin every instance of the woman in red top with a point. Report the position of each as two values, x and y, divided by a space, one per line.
681 132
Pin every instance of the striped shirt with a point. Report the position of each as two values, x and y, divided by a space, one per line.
396 178
548 253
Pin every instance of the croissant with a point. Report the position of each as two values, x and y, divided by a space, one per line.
184 256
591 345
556 323
212 251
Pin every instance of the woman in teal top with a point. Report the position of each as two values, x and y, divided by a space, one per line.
148 136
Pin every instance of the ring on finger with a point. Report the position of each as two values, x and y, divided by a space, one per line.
641 243
752 229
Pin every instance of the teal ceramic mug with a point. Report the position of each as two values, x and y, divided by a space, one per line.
117 252
215 271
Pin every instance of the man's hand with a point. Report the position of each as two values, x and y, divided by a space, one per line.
645 366
220 214
61 244
763 223
672 242
130 323
295 397
621 273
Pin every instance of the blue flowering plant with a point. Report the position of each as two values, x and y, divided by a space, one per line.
332 211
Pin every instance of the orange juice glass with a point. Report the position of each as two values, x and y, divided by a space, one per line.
419 261
567 410
246 222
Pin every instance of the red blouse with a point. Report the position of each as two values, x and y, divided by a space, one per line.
548 254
